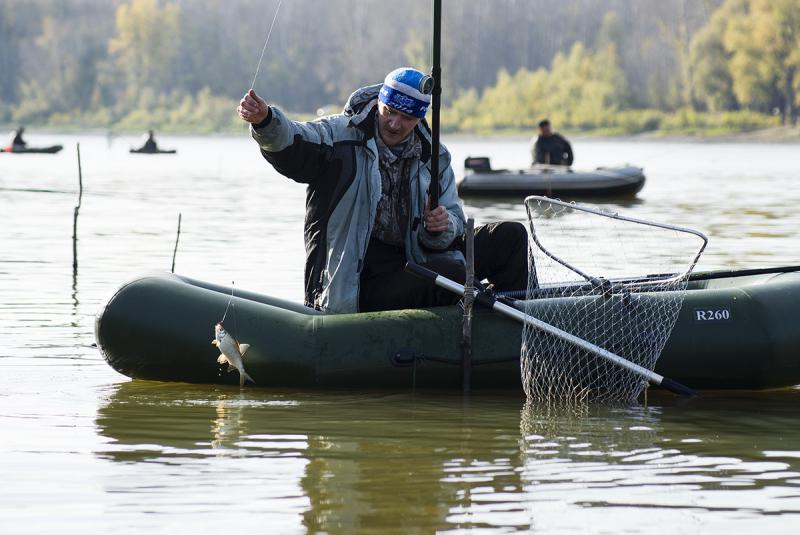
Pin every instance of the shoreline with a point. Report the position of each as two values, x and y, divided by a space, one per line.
777 134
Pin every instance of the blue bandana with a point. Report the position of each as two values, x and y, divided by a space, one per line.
403 90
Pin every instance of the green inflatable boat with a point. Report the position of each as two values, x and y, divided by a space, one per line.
735 330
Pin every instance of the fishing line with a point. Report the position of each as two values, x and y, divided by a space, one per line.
269 33
230 300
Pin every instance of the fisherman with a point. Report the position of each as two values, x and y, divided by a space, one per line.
367 205
150 144
551 147
18 142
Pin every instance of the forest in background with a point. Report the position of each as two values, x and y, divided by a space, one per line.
705 66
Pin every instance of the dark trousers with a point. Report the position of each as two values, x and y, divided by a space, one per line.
501 257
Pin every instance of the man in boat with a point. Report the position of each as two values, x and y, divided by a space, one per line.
150 143
18 143
551 147
367 206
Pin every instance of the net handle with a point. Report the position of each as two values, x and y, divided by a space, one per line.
482 298
611 215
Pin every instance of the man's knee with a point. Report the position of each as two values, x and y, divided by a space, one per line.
512 232
503 235
448 268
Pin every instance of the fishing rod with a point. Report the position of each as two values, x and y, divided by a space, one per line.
646 283
436 74
722 274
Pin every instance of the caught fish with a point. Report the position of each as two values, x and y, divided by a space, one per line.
232 352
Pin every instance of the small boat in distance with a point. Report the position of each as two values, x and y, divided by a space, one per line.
151 147
143 150
551 180
52 149
20 146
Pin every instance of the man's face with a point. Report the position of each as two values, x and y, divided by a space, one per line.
393 125
545 131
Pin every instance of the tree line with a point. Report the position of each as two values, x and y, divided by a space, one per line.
588 64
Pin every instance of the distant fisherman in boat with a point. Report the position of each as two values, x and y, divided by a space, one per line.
150 144
367 206
19 143
551 147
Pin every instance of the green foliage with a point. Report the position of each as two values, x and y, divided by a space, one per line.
146 44
178 65
462 112
749 56
416 49
36 106
583 89
749 70
637 121
611 31
714 83
689 121
203 113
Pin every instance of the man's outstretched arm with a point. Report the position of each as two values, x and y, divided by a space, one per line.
297 150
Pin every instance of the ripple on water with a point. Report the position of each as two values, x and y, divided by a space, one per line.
84 449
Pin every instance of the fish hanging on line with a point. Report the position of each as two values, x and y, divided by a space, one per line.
231 352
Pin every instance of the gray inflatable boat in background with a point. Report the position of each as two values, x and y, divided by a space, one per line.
551 180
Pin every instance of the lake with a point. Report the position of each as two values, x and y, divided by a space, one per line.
85 449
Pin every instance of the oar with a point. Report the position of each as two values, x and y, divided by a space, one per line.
490 302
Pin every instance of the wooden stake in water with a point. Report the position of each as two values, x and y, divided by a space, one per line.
177 238
469 299
75 214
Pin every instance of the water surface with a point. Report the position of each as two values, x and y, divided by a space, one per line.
86 450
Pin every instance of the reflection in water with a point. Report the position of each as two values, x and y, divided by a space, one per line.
227 426
342 463
651 461
513 208
75 301
385 462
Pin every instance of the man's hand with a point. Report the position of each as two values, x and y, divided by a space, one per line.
436 220
252 108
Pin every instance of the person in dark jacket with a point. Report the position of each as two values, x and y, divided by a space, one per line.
18 142
150 143
368 211
550 147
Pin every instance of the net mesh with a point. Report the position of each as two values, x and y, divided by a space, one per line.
613 281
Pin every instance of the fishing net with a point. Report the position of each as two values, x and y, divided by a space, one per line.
614 281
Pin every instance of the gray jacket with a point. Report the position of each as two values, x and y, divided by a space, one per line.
337 158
